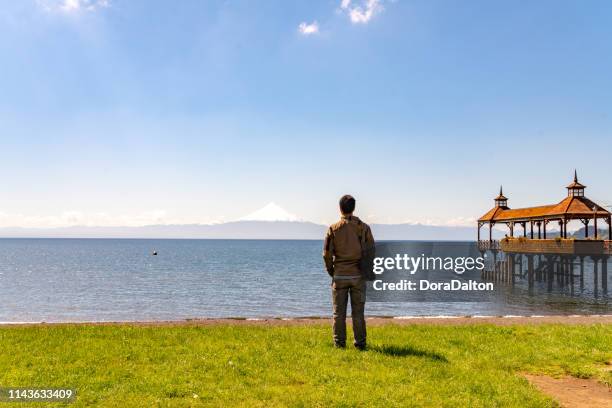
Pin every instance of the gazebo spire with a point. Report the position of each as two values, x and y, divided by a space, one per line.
575 189
501 200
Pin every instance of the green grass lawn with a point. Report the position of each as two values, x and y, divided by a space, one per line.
418 365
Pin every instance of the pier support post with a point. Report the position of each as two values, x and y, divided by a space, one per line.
570 269
582 273
595 273
604 274
551 271
530 270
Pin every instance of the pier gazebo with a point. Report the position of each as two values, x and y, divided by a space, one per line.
574 207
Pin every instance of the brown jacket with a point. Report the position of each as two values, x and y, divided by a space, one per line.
342 246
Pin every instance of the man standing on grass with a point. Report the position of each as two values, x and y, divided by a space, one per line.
345 242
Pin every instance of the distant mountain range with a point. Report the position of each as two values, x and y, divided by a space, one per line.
269 222
246 230
603 233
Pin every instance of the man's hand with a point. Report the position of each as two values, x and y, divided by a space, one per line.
328 252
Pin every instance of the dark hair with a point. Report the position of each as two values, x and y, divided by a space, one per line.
347 204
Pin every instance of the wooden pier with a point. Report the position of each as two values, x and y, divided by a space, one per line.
537 256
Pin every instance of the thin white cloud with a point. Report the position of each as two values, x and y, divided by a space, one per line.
73 6
433 222
361 13
100 219
308 29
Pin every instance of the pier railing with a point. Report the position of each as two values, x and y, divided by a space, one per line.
488 245
556 246
552 246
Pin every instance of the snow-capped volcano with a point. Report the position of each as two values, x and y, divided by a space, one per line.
271 212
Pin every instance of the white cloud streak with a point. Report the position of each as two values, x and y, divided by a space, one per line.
72 6
361 13
100 219
308 29
433 222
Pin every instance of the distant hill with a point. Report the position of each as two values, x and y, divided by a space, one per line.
246 230
603 233
578 234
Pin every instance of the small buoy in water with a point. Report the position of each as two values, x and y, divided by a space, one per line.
154 252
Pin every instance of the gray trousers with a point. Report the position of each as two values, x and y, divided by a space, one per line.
341 290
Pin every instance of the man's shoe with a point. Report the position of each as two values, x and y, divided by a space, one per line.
338 345
361 347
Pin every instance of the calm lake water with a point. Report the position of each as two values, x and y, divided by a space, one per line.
119 279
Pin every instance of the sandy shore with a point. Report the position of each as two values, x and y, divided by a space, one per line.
372 321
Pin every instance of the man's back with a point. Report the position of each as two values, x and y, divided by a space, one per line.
342 249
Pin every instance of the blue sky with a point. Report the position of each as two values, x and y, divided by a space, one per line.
132 112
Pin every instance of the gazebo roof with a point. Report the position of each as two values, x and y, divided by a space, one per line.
501 214
571 207
578 206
